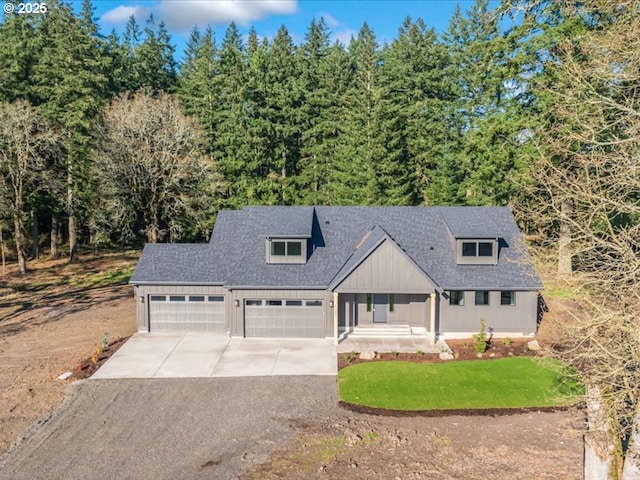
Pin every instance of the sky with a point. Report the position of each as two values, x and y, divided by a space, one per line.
344 18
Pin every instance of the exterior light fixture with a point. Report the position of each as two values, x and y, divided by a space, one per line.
141 299
236 302
330 303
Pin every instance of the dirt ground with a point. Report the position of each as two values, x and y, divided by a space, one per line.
48 328
45 332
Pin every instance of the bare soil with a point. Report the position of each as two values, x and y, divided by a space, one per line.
51 321
54 321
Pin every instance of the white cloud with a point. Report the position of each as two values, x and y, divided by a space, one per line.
182 15
343 36
330 20
122 13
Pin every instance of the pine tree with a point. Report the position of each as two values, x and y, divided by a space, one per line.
198 85
154 60
17 57
69 85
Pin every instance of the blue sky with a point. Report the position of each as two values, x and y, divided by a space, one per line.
343 17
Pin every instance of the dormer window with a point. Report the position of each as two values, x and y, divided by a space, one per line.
477 251
286 250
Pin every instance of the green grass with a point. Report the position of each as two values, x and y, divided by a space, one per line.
515 382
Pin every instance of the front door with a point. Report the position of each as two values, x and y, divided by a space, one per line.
380 307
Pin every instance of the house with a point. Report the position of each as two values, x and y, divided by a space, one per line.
279 271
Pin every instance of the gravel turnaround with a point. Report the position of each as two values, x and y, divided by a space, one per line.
168 428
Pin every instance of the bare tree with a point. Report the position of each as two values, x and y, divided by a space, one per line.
26 140
589 169
153 176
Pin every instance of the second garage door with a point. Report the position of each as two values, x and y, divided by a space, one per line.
186 313
274 318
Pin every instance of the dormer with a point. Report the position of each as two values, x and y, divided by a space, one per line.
477 251
288 237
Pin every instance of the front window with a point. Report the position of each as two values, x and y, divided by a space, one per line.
482 297
507 298
456 297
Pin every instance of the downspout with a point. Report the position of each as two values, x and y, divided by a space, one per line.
335 318
432 318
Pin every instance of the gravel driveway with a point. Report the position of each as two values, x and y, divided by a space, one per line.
168 428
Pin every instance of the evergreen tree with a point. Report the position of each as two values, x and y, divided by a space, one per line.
154 63
17 57
325 74
198 86
69 85
486 115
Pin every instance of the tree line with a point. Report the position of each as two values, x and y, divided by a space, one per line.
426 119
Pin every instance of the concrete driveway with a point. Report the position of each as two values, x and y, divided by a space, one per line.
168 355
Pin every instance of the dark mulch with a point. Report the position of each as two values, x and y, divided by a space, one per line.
88 366
491 412
462 350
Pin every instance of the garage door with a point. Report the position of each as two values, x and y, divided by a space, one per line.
186 313
284 318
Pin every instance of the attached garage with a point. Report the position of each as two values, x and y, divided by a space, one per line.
186 313
284 318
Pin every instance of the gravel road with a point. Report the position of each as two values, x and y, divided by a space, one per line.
168 428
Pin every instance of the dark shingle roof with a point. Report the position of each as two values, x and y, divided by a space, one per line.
236 253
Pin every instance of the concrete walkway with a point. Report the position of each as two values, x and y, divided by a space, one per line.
169 355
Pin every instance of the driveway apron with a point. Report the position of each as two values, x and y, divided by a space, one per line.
165 355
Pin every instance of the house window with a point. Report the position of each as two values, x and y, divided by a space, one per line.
196 298
314 303
157 298
482 297
278 248
274 303
485 249
294 303
216 298
253 303
177 298
469 249
294 249
507 298
456 297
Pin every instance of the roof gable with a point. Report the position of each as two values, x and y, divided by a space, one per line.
380 265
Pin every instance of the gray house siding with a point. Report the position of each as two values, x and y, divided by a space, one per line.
386 270
464 320
236 314
144 292
409 309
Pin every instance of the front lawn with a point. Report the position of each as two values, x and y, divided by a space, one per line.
515 382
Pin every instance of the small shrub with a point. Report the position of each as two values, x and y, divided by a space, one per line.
394 353
349 357
105 341
507 342
480 338
419 352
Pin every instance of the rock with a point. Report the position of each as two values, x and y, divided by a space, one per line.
65 375
534 345
368 355
446 356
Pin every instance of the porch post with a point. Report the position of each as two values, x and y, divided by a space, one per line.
335 318
432 318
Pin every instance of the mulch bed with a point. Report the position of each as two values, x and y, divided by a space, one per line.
462 350
88 366
488 412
